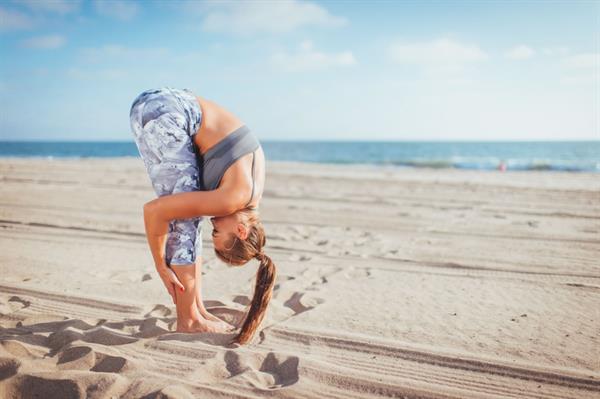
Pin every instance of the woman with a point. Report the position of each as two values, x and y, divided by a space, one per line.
202 160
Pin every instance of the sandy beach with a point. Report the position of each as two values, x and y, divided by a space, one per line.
404 283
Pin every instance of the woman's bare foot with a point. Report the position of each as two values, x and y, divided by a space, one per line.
224 325
191 314
196 326
211 317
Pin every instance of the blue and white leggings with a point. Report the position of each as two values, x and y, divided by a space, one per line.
164 122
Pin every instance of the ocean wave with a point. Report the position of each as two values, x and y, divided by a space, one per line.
495 163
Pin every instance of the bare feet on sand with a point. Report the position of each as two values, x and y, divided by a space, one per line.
203 325
211 317
192 316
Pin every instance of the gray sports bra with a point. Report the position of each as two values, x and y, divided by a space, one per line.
222 155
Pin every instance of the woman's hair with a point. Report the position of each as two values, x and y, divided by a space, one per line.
237 253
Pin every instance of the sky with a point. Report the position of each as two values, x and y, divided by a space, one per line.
307 70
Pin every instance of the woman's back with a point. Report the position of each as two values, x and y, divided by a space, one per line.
246 173
217 122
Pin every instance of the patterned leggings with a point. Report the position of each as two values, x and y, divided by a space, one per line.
164 122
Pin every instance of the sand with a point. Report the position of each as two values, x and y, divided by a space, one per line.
391 283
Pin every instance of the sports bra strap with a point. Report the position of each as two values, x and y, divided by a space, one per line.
252 194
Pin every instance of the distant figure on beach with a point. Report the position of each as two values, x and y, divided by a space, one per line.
502 166
202 161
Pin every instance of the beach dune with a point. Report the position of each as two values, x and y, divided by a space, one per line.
406 283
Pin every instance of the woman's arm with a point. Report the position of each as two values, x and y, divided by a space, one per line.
160 211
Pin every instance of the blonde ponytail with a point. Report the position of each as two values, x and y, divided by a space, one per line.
238 253
263 291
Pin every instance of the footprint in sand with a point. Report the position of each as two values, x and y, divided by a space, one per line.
17 303
299 257
281 280
242 300
231 316
171 391
100 335
124 276
112 364
271 371
61 338
76 358
106 336
17 349
152 327
299 304
212 303
277 237
159 311
355 272
8 367
66 384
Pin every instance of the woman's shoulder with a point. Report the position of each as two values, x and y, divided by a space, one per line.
244 179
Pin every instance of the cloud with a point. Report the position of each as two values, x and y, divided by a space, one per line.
249 17
44 42
558 50
94 74
119 9
582 61
55 6
14 20
121 53
587 80
520 52
307 59
440 54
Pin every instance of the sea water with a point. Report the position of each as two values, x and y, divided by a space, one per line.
551 155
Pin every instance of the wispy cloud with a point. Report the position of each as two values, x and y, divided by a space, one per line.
519 52
94 74
307 58
46 42
53 6
119 9
14 20
556 50
582 61
250 17
112 52
439 54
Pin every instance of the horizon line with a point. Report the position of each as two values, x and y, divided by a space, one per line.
61 140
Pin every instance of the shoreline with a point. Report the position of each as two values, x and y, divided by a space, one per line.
374 165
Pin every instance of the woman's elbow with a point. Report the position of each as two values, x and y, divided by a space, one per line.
229 206
151 209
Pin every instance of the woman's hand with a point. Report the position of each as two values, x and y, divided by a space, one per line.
170 280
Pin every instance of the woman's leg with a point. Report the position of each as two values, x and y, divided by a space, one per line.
159 128
205 313
189 318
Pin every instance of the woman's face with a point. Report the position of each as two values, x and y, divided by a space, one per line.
224 227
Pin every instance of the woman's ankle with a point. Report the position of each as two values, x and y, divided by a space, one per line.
190 323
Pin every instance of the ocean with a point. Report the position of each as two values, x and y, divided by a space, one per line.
576 156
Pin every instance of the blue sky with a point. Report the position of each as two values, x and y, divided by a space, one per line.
307 70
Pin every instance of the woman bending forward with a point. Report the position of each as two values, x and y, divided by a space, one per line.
202 161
